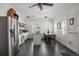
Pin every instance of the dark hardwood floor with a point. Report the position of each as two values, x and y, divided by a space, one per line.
46 49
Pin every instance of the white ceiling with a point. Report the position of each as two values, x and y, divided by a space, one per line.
53 11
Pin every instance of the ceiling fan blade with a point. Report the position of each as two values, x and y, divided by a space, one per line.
33 5
49 4
40 6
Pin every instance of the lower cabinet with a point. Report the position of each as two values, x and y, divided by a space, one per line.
22 38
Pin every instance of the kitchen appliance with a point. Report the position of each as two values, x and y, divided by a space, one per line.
8 36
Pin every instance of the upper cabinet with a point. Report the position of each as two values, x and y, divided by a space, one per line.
12 13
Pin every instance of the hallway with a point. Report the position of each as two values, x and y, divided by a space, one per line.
53 49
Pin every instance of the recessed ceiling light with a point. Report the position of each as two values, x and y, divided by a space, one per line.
45 16
28 16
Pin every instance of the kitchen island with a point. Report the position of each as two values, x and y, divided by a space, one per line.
37 38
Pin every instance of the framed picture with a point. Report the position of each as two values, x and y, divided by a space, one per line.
59 25
71 21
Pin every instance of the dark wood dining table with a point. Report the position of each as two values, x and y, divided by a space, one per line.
49 37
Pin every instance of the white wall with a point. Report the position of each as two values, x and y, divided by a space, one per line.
3 9
68 34
45 25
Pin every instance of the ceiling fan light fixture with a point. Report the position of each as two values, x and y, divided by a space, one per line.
40 5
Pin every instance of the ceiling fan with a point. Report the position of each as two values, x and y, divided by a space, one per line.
40 5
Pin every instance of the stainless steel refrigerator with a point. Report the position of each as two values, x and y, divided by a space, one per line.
8 36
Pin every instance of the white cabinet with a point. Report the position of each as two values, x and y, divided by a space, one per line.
22 38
